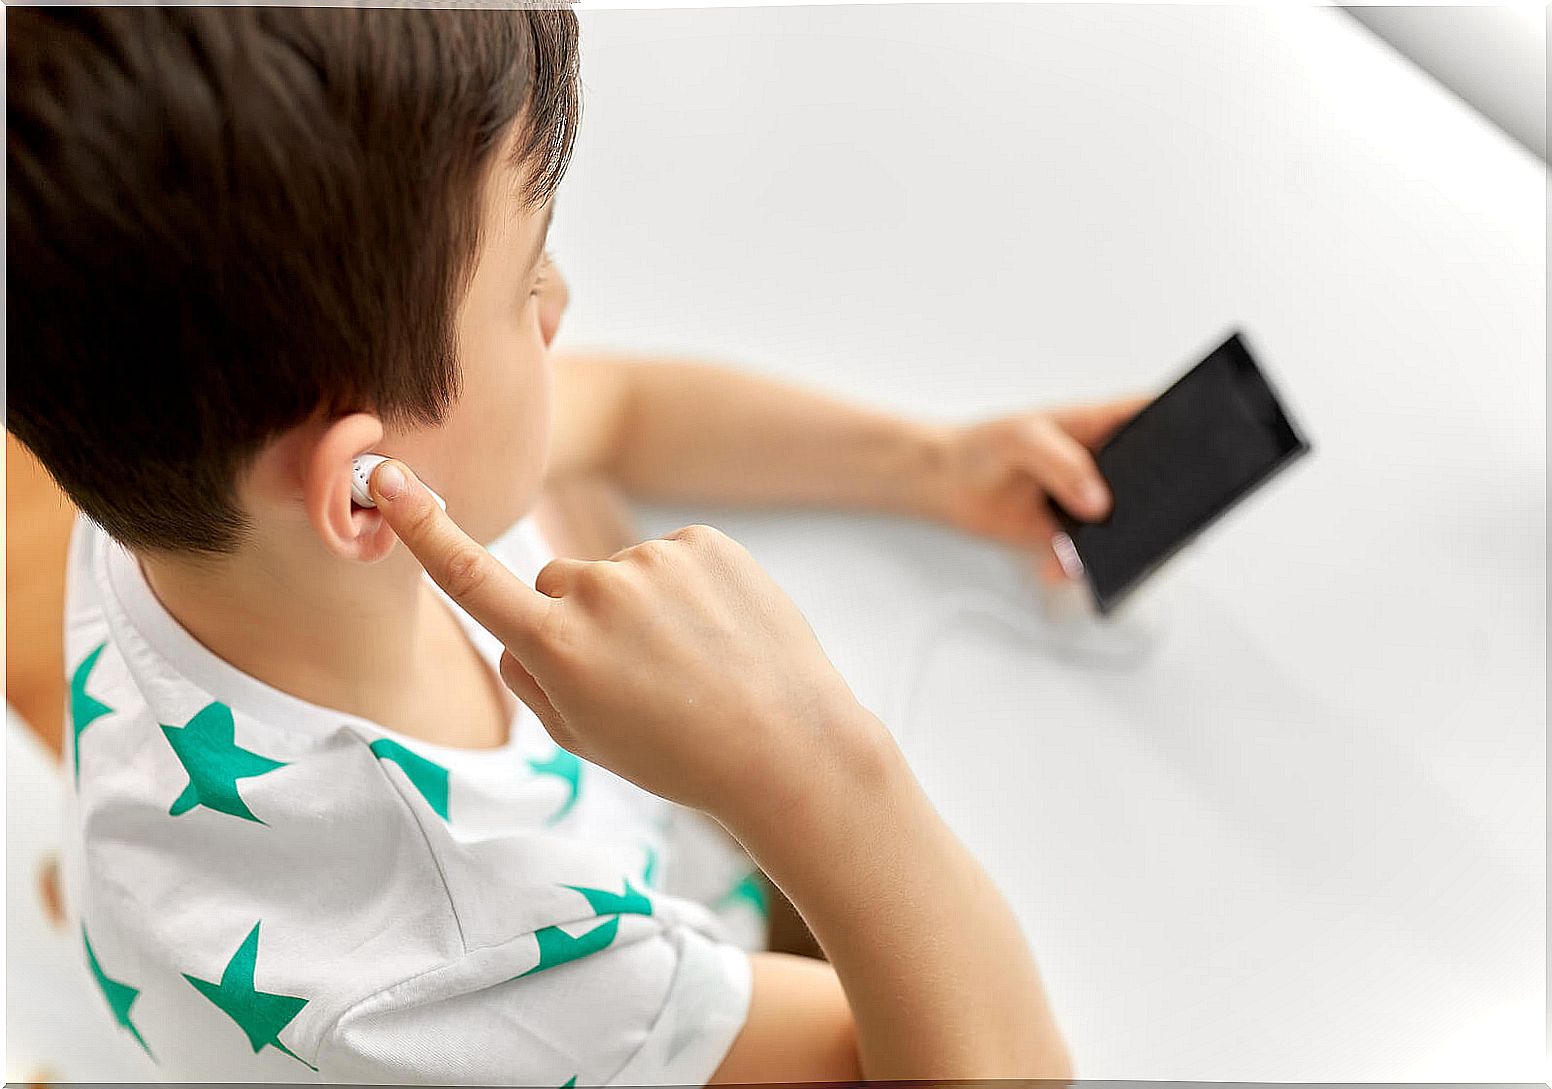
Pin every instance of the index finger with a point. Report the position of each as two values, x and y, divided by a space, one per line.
498 600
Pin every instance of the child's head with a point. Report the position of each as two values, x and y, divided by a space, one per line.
245 245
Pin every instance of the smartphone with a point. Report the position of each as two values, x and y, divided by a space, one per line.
1205 443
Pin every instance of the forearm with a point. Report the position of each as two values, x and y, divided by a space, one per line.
698 432
935 966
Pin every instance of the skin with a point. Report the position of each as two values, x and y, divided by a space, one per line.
367 636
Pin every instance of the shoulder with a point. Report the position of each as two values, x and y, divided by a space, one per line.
204 847
316 877
630 991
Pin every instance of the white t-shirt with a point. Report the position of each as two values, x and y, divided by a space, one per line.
268 890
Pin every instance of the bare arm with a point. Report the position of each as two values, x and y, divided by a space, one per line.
799 1027
677 429
936 970
39 519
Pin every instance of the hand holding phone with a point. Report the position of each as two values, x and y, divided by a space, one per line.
1209 440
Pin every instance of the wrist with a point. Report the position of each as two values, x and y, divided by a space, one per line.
859 770
921 456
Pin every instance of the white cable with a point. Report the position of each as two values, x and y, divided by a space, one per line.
1082 638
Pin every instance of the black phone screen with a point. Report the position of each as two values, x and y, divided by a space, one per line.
1202 445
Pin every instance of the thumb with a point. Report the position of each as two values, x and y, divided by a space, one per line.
498 600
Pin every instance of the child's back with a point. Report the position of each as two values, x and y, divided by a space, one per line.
264 885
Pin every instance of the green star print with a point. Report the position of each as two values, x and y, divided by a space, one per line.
260 1015
84 710
562 765
749 888
427 776
558 947
603 902
209 753
120 996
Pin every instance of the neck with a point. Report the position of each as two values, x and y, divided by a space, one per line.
362 639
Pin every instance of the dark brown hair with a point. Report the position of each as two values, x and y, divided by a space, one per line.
222 221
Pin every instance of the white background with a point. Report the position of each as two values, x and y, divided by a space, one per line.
1285 818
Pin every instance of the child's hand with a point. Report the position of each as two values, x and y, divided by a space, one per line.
676 663
1001 472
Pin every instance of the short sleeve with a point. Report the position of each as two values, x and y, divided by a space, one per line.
655 1004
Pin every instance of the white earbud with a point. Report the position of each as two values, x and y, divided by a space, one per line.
361 472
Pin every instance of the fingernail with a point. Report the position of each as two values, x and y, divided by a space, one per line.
390 480
1067 556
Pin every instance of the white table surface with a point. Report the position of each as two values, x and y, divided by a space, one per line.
1287 820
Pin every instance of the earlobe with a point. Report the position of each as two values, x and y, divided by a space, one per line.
347 531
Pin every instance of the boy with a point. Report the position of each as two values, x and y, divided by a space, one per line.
312 836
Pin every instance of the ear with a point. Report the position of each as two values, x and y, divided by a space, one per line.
346 530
